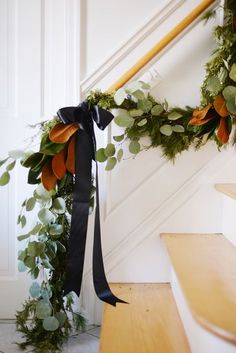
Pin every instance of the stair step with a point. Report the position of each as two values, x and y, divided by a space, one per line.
227 189
205 265
149 323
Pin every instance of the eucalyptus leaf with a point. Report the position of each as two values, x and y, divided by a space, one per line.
145 105
22 255
166 130
46 293
142 122
35 290
21 267
139 94
3 161
59 205
231 105
50 323
45 216
36 229
110 150
133 86
174 115
178 128
30 203
42 193
23 237
120 96
134 147
35 248
56 229
10 166
111 162
214 85
61 317
232 73
157 110
16 154
29 261
100 155
124 120
135 112
43 310
118 138
119 154
229 92
23 221
4 179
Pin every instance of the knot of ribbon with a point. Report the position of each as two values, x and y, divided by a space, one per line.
86 114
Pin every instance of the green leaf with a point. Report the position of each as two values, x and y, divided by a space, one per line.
214 85
119 154
60 246
21 267
120 96
11 166
35 290
110 150
111 162
16 154
3 161
157 110
46 293
43 309
139 94
229 92
142 122
42 193
23 237
178 128
145 105
32 160
35 248
33 177
174 115
23 221
124 119
134 147
30 203
135 112
165 105
100 155
119 138
22 254
231 105
61 317
45 216
145 85
56 229
59 205
29 262
49 148
36 229
166 130
4 179
50 323
232 73
133 86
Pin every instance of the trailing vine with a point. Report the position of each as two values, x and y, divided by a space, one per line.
51 170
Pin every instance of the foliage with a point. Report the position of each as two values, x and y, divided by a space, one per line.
47 318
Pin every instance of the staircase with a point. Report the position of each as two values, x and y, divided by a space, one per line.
196 311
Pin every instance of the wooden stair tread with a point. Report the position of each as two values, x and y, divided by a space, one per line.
205 265
150 323
227 189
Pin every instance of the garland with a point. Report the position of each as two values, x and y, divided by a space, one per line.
51 169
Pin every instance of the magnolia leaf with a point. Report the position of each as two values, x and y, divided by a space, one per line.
142 122
4 179
119 154
134 147
35 290
120 96
32 160
214 85
178 128
111 162
50 323
119 138
49 148
139 94
3 161
16 154
232 73
56 229
61 317
133 86
48 178
30 204
43 309
124 120
100 155
135 112
229 92
23 237
166 130
174 115
157 110
33 177
145 105
10 166
45 216
35 248
110 150
61 133
59 205
21 267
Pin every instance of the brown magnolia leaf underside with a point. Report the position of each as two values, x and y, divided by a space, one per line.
70 161
61 133
220 106
48 178
223 133
59 164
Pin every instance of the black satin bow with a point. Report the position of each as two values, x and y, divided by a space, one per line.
86 114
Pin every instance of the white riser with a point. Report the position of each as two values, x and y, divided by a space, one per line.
229 218
200 340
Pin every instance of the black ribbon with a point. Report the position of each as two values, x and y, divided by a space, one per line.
86 114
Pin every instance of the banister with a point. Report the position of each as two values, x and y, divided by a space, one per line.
167 39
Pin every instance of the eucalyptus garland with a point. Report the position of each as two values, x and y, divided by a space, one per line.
51 170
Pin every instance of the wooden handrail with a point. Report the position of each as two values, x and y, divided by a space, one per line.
169 37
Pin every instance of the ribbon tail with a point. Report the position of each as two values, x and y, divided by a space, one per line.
101 285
